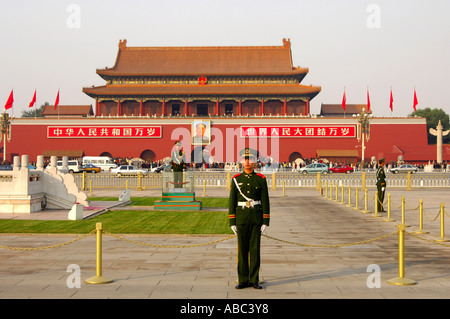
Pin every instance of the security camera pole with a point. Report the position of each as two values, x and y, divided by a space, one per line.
363 132
6 132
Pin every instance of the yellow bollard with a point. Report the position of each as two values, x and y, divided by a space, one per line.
274 182
126 184
331 191
342 194
98 279
389 219
337 193
84 182
319 182
349 197
420 230
366 202
204 188
401 280
442 238
376 206
356 199
363 181
326 191
284 185
90 187
139 185
403 212
408 182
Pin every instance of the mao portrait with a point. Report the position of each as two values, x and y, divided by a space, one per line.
201 132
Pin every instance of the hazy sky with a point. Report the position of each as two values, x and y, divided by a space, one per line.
51 45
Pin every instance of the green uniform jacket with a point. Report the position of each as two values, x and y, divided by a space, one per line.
178 161
253 186
381 177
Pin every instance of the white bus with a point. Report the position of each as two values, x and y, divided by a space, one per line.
104 162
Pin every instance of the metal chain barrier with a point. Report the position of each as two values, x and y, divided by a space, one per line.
432 241
334 245
167 246
401 280
52 246
446 213
433 219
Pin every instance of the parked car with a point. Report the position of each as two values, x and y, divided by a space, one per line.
72 166
405 168
341 169
127 170
89 168
161 168
314 168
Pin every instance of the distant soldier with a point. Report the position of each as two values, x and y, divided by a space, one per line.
249 215
381 185
178 164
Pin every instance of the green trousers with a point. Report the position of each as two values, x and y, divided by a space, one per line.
178 179
380 199
249 242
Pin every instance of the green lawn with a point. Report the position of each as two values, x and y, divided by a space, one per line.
148 201
133 222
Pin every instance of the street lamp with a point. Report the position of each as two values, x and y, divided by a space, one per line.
6 132
363 132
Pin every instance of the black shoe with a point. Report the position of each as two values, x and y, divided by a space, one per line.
241 285
256 286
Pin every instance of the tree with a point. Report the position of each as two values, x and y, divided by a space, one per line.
34 113
432 117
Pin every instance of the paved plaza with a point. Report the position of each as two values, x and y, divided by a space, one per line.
318 249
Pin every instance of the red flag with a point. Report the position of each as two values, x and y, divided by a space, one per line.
368 100
33 100
391 102
10 101
415 100
343 101
57 100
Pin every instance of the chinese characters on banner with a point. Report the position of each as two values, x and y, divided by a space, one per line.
104 131
299 131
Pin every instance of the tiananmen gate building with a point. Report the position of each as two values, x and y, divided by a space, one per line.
216 101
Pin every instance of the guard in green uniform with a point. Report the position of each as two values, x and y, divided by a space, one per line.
249 215
381 185
178 164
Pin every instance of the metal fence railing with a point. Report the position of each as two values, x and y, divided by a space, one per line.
218 179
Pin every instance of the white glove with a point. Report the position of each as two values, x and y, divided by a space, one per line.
263 228
234 229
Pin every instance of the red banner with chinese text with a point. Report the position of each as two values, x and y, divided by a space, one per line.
299 131
104 132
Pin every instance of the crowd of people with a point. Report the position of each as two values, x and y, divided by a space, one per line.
265 166
277 166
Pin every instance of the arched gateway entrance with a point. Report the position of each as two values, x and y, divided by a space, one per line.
148 156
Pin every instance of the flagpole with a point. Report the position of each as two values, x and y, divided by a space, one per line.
58 103
391 102
345 101
35 109
12 110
